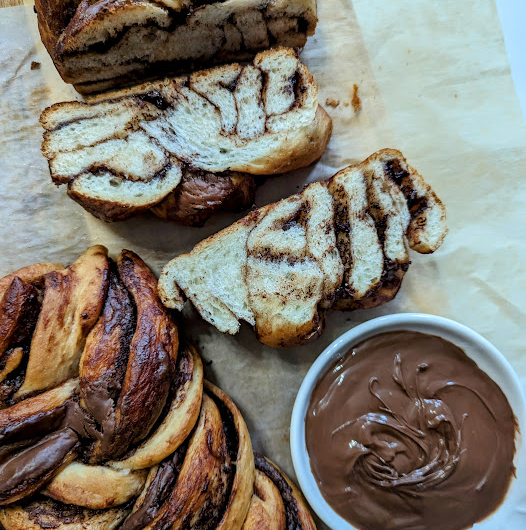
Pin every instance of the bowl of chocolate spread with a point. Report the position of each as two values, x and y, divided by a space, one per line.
411 422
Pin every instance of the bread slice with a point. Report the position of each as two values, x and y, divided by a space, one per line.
127 151
341 243
285 284
98 45
357 238
388 254
212 277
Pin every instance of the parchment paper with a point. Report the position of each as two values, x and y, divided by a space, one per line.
434 82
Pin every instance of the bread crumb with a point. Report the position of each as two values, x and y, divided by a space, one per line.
356 101
346 103
35 65
331 102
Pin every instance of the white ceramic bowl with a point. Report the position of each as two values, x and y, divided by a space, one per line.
511 515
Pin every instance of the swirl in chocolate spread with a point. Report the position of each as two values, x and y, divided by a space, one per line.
406 432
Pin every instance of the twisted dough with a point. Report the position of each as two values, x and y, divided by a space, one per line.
125 434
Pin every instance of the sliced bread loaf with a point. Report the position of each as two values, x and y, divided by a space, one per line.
341 243
125 152
98 45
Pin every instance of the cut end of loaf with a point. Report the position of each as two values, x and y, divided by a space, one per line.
169 292
126 152
342 243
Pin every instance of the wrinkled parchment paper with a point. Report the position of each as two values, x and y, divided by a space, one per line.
433 80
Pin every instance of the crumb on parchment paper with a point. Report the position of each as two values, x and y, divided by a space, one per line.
332 102
35 65
356 101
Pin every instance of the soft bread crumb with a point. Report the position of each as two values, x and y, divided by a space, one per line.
341 243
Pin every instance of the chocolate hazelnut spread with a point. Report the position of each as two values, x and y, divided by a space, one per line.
406 432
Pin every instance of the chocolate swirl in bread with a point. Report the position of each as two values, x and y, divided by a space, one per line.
110 390
341 243
189 146
276 503
97 45
126 435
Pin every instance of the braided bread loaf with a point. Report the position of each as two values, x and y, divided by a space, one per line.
105 423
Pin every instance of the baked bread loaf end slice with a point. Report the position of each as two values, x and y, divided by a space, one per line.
99 45
208 133
341 243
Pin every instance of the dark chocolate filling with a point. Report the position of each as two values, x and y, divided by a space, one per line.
35 464
48 513
293 521
11 384
158 491
416 203
38 424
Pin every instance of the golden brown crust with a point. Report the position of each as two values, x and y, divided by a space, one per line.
108 211
33 274
243 480
151 358
287 336
72 303
95 487
53 17
297 514
202 483
179 420
266 511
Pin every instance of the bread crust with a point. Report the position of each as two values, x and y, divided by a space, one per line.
138 441
201 194
107 43
295 511
108 211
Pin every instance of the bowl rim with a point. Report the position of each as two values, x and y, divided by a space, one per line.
425 323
